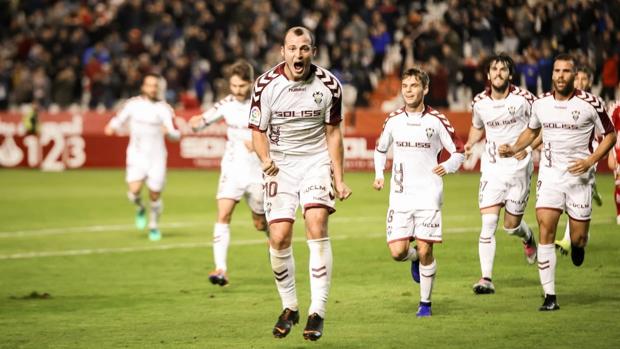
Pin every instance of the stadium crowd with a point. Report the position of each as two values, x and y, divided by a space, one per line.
94 53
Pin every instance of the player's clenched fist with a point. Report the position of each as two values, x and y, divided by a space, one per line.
269 167
378 183
342 191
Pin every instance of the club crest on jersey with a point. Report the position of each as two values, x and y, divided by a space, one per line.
512 110
318 97
429 132
575 114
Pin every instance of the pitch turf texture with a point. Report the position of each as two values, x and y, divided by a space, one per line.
70 235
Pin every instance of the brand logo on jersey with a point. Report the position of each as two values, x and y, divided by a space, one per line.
296 89
512 110
255 116
298 114
575 114
429 132
318 97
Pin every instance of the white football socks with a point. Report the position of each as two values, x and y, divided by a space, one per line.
320 267
486 244
283 266
135 199
157 207
522 231
427 277
221 240
546 267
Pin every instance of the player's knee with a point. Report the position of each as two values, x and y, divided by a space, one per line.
260 224
398 255
224 217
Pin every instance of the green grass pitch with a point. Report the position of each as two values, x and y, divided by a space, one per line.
70 235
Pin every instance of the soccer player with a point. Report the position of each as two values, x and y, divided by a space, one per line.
418 133
149 119
241 174
567 118
501 112
295 116
614 163
583 81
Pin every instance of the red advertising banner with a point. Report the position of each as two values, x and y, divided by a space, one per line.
75 140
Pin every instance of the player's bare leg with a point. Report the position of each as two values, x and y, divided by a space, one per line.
563 245
617 194
428 269
548 223
515 225
156 207
579 239
283 267
260 222
221 241
402 251
486 249
320 266
133 194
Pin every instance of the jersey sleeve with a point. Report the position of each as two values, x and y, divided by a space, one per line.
215 113
122 116
385 139
166 119
260 110
333 114
602 121
534 120
453 144
476 119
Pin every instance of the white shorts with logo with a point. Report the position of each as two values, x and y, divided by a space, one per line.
512 192
574 198
236 185
302 180
422 225
141 167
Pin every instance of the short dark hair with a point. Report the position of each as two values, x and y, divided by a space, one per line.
418 73
566 57
299 31
504 58
586 70
243 69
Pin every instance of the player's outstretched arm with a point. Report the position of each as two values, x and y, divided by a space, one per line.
336 153
261 146
525 138
380 160
197 123
580 166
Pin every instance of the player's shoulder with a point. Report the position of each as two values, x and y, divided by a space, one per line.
328 79
439 116
543 97
165 106
479 97
224 101
267 77
523 93
592 100
393 115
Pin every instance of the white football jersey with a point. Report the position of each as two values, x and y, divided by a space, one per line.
568 128
294 113
145 118
418 138
503 121
236 155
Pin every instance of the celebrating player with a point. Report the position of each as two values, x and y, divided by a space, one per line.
418 133
501 112
567 118
149 120
295 117
241 174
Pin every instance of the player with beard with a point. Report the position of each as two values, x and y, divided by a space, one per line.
241 174
295 118
501 112
418 133
567 118
149 120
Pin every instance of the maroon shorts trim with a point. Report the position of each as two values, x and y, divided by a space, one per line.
279 220
431 241
410 238
514 214
500 204
330 210
578 220
550 208
235 200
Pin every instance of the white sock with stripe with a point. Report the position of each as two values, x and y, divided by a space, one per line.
546 267
321 261
283 266
487 244
427 278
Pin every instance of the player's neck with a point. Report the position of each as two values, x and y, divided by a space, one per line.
414 109
563 97
498 95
